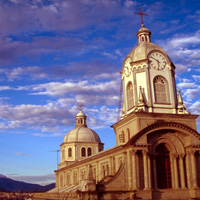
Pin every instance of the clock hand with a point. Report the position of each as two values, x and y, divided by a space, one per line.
155 59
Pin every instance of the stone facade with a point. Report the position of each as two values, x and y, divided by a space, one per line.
157 155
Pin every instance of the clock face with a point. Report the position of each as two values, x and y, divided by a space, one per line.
157 60
127 67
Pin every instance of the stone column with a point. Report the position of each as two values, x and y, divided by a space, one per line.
149 171
182 174
129 168
172 170
146 174
175 171
188 169
134 170
194 169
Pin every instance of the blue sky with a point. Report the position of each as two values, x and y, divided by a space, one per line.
54 53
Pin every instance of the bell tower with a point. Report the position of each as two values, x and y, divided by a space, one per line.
148 77
149 89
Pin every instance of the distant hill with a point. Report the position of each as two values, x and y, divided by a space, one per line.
9 185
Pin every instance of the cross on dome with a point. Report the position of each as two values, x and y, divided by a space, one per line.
80 105
141 15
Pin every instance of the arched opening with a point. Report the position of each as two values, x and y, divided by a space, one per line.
160 89
130 99
143 38
163 167
89 151
83 152
70 152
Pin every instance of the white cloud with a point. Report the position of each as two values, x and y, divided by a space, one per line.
183 49
181 68
195 107
186 85
191 94
82 87
196 77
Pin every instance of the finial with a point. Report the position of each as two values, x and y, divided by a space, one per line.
141 99
80 105
180 100
180 107
141 15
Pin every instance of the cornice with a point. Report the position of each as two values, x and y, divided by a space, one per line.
153 115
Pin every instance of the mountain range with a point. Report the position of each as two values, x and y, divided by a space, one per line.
9 185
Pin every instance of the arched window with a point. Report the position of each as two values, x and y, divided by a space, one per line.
83 152
143 38
89 151
130 99
70 152
163 167
160 88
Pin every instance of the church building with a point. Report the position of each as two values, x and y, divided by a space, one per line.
157 152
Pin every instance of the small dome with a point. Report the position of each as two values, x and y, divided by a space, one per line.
81 134
141 51
80 114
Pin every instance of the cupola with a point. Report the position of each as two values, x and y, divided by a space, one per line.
80 142
144 34
81 119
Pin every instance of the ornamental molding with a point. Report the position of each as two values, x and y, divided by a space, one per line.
129 67
139 67
163 125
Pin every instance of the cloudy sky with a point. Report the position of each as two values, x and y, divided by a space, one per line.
54 53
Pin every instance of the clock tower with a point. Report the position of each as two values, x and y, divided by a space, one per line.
148 77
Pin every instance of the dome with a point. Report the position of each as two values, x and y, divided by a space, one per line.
141 51
80 114
81 133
